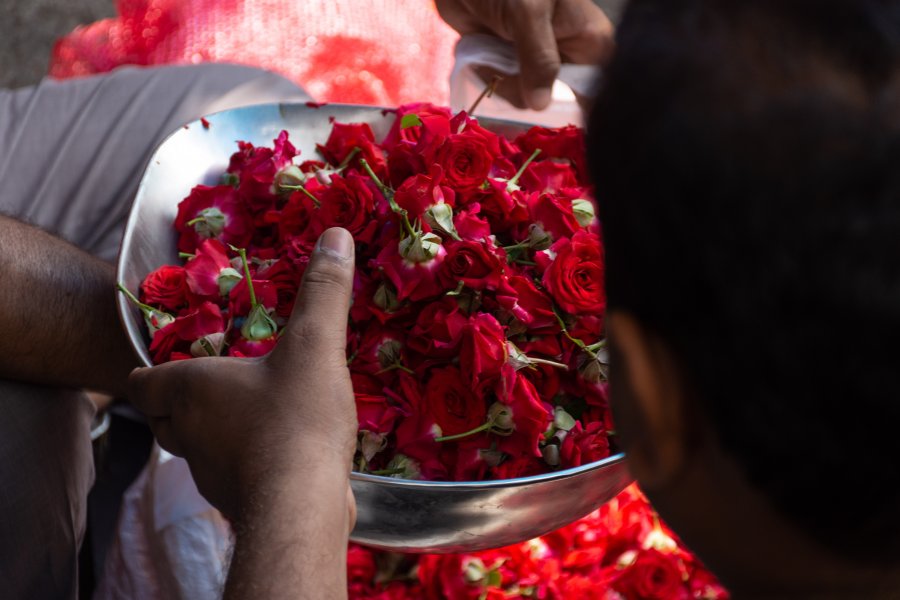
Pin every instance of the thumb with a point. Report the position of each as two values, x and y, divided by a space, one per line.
320 313
539 60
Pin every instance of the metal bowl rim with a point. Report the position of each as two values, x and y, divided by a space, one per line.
475 486
410 484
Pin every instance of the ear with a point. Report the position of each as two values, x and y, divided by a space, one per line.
648 402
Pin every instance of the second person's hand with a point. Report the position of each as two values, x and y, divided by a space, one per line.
545 33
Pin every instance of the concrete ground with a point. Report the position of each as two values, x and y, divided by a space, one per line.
28 29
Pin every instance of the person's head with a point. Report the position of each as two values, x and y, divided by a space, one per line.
747 163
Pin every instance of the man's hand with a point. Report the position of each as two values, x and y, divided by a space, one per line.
545 33
270 441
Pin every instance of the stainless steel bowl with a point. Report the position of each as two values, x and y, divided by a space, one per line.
412 516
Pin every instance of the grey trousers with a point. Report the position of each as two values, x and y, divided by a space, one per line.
71 156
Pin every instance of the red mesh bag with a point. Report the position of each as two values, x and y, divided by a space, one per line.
362 51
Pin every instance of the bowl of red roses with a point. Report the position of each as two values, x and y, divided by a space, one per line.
476 340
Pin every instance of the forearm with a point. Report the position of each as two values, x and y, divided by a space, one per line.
292 540
57 314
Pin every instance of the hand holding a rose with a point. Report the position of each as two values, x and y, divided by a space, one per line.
545 33
270 440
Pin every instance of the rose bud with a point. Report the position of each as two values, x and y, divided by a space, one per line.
420 248
371 443
227 279
289 178
259 325
209 222
562 420
583 211
385 298
156 320
389 353
440 218
594 369
550 452
403 467
209 345
538 239
501 418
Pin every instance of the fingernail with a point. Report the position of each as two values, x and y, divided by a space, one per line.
539 98
336 243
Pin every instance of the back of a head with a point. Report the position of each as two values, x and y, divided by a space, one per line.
747 162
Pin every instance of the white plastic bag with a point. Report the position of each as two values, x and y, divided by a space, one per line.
170 542
475 50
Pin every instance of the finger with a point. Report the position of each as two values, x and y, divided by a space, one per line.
323 301
155 390
535 40
584 34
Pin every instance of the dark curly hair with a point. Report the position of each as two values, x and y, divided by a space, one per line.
747 162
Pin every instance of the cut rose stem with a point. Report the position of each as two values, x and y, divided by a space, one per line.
486 93
459 436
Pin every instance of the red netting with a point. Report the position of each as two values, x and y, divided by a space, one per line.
363 51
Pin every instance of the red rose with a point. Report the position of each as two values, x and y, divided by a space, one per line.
495 144
439 329
404 162
469 464
411 129
413 280
209 273
380 348
344 138
375 414
260 160
469 226
348 202
476 264
503 209
522 466
443 576
165 288
455 407
584 588
584 445
185 330
285 278
548 177
299 213
239 298
417 432
361 566
416 440
563 142
419 193
575 276
533 308
213 212
484 350
529 414
256 169
653 575
465 159
555 214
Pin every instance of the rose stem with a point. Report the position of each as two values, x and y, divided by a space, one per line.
487 92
